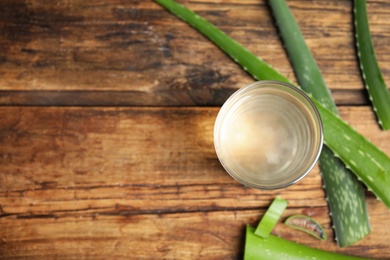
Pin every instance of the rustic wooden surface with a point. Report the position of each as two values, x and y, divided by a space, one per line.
106 117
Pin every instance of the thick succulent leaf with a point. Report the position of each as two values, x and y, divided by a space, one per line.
349 213
275 247
374 83
271 217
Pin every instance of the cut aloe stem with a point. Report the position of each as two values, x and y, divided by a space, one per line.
307 225
271 217
367 161
372 76
278 248
349 213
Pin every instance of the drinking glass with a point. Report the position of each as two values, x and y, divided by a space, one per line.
268 135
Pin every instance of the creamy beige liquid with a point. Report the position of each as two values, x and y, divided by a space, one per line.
261 142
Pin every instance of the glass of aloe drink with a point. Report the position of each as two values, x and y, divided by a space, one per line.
268 135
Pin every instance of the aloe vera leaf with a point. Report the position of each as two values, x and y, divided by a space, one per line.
306 69
370 164
349 213
366 160
278 248
307 225
372 76
271 217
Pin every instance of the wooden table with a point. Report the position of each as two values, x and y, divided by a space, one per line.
106 127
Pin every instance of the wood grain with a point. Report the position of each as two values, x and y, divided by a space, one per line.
135 53
209 235
107 111
143 183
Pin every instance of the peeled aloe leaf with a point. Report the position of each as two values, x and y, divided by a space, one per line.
278 248
349 213
366 160
374 83
271 217
306 224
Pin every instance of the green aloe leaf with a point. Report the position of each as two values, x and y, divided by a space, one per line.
366 160
374 83
271 217
275 247
349 213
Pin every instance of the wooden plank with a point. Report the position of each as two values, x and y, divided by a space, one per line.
75 53
193 235
190 97
143 183
123 145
